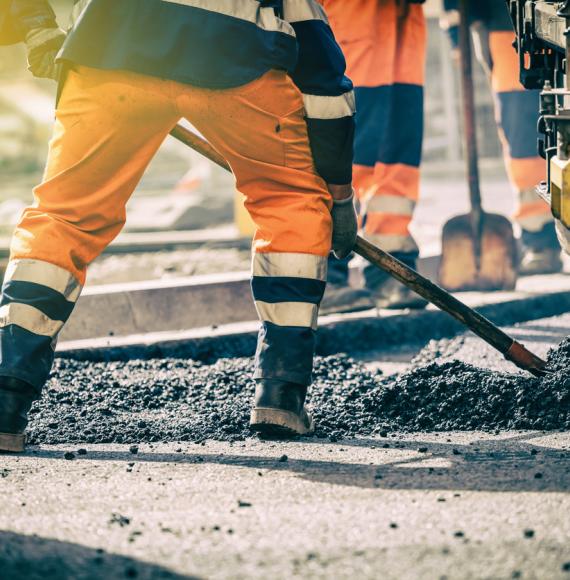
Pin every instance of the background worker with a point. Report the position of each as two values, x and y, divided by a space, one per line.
266 86
516 113
384 42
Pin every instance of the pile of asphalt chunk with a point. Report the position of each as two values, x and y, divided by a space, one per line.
185 400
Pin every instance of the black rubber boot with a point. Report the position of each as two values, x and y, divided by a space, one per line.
279 410
16 398
389 293
340 297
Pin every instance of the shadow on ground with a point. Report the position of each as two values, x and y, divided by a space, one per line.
513 464
34 558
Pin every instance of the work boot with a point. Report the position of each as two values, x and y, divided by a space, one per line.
16 398
344 299
540 252
340 297
279 410
388 292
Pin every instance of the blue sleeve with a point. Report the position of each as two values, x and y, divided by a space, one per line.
328 96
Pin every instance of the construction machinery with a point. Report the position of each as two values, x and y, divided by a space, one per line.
543 44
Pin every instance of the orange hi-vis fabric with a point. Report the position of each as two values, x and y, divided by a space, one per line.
517 114
109 124
385 49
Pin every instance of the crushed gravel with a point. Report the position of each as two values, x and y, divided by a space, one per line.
186 400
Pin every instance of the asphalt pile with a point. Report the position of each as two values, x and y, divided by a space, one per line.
186 400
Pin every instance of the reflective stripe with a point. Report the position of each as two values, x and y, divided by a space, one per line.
392 204
450 19
529 195
45 274
300 314
29 318
77 10
318 107
248 10
535 223
303 10
289 265
393 243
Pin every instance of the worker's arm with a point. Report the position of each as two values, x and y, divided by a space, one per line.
329 110
32 22
328 98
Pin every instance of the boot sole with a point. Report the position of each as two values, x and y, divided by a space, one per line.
12 442
280 424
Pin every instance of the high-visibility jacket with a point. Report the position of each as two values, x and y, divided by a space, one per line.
220 44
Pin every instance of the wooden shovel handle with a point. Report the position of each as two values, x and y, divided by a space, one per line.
468 108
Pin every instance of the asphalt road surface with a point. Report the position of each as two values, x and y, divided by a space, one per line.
431 505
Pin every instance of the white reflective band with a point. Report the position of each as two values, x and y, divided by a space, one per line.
393 243
303 10
29 318
248 10
318 107
392 204
529 196
450 19
535 223
77 10
299 314
290 265
45 274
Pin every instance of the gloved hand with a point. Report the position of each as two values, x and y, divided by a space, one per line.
43 45
345 226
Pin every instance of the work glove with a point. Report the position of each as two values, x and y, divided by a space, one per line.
345 226
43 45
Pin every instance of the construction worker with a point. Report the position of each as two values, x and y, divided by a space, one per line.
264 83
516 113
384 42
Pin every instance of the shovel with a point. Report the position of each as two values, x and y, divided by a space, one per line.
485 329
479 250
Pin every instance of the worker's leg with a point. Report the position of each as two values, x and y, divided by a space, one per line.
261 131
389 139
108 126
517 113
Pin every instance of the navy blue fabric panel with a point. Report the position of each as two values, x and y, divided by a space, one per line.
332 146
518 115
177 42
25 356
321 65
51 303
389 125
283 289
285 353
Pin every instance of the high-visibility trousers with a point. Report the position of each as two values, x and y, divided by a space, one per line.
109 125
385 49
517 115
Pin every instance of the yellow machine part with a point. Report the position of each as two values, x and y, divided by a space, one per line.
560 189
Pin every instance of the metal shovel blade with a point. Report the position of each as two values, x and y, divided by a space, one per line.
489 265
